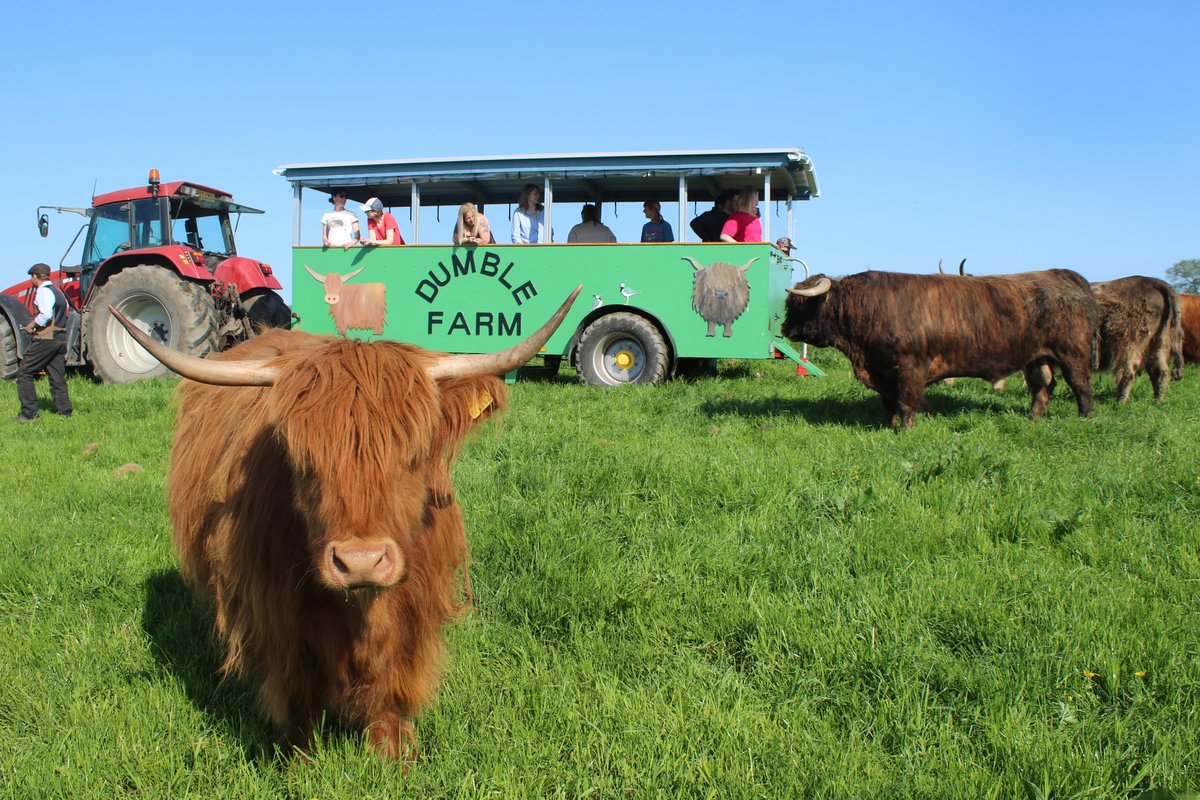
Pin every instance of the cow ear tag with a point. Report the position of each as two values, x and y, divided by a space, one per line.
479 404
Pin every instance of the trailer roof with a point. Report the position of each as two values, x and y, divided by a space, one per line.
577 177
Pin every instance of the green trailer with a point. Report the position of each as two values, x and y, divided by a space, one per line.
647 311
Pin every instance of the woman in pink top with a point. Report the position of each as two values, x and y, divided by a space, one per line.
743 225
381 225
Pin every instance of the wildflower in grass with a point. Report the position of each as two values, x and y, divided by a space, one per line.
1140 673
1088 674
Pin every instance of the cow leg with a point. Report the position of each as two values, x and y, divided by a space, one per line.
887 395
1124 380
1079 377
1039 388
393 737
912 400
729 329
712 329
1159 371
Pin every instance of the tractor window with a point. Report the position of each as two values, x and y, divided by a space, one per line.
109 232
202 233
147 223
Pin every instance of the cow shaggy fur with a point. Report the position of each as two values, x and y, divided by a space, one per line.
902 332
354 441
1140 331
1189 314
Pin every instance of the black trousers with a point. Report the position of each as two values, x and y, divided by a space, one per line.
49 355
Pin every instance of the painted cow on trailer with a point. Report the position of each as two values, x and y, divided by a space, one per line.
902 332
359 306
311 501
1140 331
721 293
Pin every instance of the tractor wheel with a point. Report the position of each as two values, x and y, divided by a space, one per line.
265 309
178 313
622 348
8 350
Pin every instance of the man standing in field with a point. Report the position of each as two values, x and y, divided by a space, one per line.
48 350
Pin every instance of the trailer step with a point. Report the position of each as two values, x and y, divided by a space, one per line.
804 367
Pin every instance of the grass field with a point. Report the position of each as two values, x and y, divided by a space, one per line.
738 587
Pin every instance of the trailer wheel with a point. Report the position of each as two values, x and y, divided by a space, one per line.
8 350
176 312
622 348
265 309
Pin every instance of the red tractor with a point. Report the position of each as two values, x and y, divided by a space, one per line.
162 254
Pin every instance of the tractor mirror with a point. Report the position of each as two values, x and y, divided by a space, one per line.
43 225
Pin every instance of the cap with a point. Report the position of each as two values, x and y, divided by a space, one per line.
41 270
783 243
374 204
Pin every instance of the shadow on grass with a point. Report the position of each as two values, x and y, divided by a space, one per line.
181 629
857 412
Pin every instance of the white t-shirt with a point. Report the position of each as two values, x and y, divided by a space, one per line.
591 232
340 225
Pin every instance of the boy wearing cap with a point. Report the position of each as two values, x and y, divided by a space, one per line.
339 228
381 226
48 350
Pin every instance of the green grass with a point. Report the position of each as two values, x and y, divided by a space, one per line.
738 587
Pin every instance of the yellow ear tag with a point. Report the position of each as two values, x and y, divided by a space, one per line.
479 404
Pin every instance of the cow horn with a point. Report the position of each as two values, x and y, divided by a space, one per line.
960 267
695 263
823 285
748 263
940 270
202 370
350 275
469 366
321 278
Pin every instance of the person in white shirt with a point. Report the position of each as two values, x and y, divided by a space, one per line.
339 228
591 230
48 349
528 224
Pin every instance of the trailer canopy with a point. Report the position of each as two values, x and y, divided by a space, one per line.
699 175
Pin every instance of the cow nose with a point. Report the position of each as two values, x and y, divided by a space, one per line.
352 564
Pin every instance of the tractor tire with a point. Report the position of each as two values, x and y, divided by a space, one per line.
176 312
8 350
620 349
265 309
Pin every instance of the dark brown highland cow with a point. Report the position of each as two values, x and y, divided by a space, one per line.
314 507
1140 331
902 332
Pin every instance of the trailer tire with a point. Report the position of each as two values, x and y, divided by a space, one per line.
176 312
8 350
620 349
265 309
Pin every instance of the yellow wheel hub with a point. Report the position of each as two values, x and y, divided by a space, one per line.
623 360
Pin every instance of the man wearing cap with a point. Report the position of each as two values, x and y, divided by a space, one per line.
48 350
381 226
339 227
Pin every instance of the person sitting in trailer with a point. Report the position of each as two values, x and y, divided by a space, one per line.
472 226
657 229
381 226
784 245
591 230
528 222
708 225
743 224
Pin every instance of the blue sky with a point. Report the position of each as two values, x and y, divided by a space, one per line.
1018 135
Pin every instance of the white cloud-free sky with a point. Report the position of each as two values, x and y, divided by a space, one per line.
1018 135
